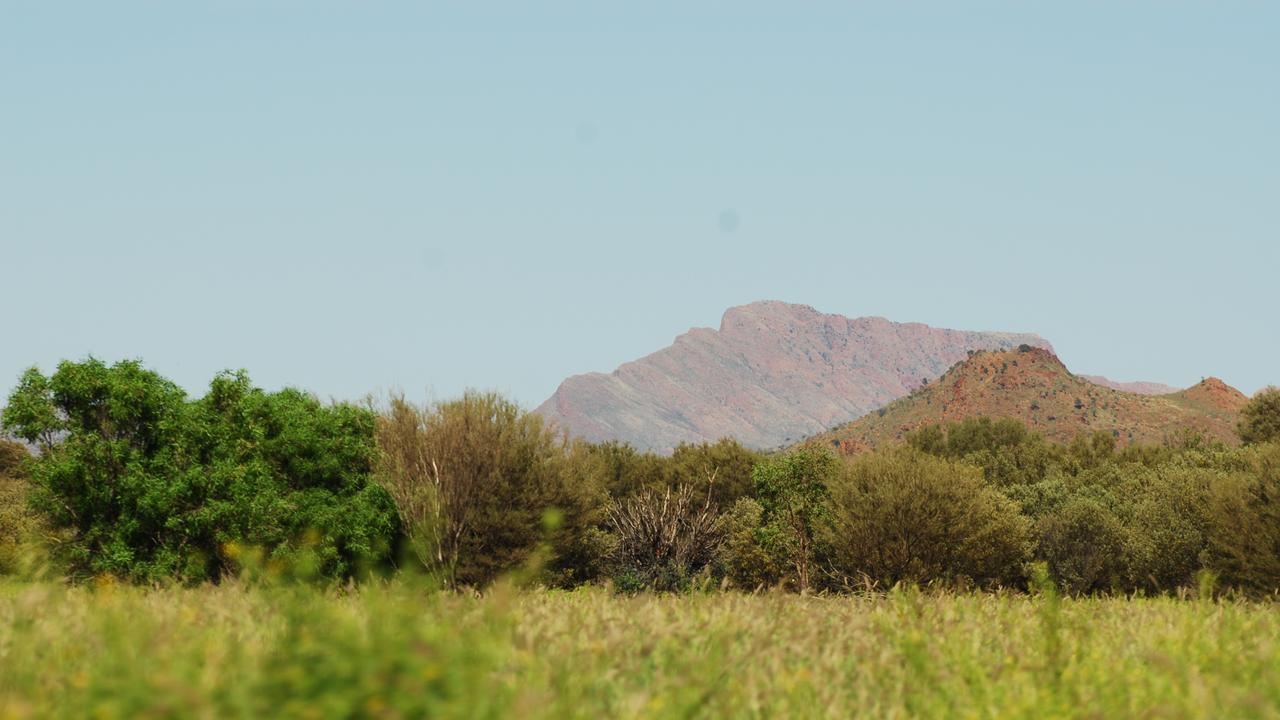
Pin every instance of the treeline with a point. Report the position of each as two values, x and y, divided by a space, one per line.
134 479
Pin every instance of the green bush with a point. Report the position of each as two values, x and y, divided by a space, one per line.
906 516
743 560
1243 527
1165 543
1008 453
1083 543
1260 419
722 469
150 485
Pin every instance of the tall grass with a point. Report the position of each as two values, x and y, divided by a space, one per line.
393 651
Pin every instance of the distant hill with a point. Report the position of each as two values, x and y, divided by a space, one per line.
1035 387
773 373
1139 388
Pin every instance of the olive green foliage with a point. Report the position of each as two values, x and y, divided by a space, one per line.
19 526
1006 450
1260 419
1083 543
907 516
1243 526
481 484
722 469
744 560
1145 518
150 485
792 490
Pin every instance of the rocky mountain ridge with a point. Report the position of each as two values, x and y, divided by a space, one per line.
771 374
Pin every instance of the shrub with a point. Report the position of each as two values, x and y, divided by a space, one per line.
1083 543
726 463
1166 539
743 560
151 486
1243 528
1260 419
475 480
17 523
664 539
13 458
1008 453
906 516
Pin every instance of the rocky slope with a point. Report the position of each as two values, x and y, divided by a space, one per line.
1035 387
772 373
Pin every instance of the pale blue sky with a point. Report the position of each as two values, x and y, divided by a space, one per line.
350 197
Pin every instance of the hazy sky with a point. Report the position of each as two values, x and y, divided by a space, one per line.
350 197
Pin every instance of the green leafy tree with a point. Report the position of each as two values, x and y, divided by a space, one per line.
622 470
151 485
1260 419
792 492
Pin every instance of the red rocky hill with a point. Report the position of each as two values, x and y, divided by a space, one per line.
1035 387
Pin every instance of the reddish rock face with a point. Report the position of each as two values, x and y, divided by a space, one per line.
773 373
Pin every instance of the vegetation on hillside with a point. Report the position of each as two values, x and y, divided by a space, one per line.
136 481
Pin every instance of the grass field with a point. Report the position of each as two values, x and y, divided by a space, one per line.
234 651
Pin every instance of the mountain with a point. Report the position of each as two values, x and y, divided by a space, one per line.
771 374
1139 388
1035 387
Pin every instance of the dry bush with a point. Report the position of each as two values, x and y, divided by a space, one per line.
476 480
665 538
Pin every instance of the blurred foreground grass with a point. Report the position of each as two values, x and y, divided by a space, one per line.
393 651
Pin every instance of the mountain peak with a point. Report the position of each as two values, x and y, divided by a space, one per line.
1215 394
